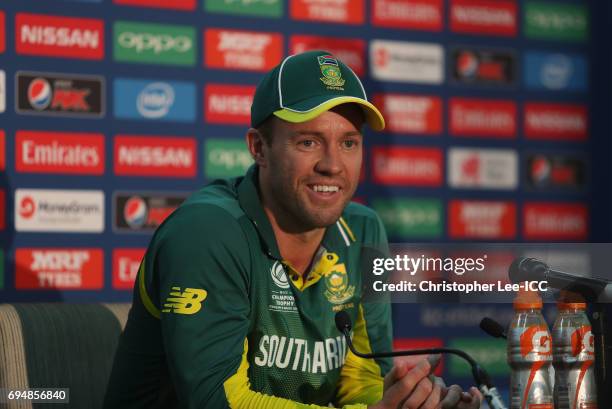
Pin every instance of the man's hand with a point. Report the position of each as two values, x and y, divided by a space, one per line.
411 388
414 387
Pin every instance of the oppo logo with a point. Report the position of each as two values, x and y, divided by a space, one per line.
157 43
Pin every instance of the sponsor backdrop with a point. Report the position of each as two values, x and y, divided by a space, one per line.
112 111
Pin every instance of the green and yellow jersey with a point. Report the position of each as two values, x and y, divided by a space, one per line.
220 320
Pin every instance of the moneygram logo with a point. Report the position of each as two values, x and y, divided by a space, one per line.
555 72
407 62
546 171
555 121
226 158
55 36
70 211
174 4
242 50
154 43
552 221
59 152
337 11
59 94
228 104
126 262
349 51
481 219
408 14
482 117
556 21
410 218
155 100
486 67
60 268
485 17
155 156
143 211
406 166
482 168
260 8
412 114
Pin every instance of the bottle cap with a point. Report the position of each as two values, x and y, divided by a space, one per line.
527 300
569 300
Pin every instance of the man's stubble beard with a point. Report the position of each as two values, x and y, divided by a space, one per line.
296 212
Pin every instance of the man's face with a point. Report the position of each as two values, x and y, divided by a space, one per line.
312 169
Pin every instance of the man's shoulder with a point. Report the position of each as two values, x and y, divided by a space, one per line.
363 221
209 212
359 213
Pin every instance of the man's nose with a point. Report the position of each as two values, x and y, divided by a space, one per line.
330 161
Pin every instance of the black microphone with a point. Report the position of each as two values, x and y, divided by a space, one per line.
481 377
493 328
531 269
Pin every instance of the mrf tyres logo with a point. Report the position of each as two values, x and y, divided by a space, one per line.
154 43
470 219
66 211
242 50
57 36
482 66
143 212
59 94
61 268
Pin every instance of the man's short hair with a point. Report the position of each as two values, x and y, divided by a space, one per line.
266 129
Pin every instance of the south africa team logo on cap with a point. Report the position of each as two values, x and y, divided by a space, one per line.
332 76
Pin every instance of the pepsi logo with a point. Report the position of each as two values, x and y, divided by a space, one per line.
39 93
155 100
540 169
135 212
27 207
467 64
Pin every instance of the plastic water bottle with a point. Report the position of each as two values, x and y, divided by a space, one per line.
530 355
573 355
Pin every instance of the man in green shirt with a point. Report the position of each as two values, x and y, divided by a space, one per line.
235 299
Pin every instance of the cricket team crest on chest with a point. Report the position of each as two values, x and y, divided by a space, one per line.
332 76
338 290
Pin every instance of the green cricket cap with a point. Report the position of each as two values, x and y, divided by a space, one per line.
305 85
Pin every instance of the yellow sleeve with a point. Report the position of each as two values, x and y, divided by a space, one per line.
240 396
361 379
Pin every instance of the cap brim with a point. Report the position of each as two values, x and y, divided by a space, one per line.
297 114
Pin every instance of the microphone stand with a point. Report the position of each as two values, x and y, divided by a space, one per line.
481 377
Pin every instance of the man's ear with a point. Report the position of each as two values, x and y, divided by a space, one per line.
256 144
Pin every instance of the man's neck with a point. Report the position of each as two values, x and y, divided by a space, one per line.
298 249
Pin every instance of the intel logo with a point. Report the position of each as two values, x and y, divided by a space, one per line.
155 100
556 72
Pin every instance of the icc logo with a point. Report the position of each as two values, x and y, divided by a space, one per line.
278 275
